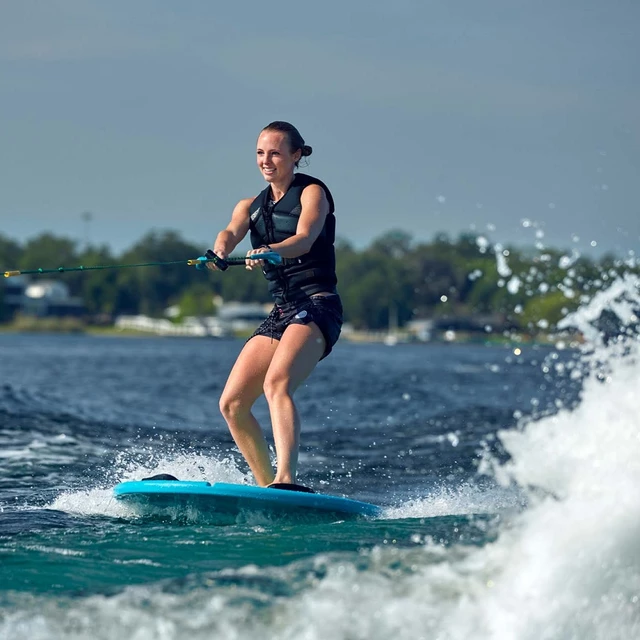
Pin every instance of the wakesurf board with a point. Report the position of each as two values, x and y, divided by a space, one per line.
233 499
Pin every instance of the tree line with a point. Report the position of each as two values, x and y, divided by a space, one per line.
392 281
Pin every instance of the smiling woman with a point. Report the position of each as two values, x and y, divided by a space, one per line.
294 217
295 141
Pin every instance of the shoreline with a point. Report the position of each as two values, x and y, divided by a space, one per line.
356 337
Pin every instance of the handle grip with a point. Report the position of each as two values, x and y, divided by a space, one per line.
223 264
268 256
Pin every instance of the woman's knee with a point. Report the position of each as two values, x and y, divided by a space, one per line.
276 385
233 406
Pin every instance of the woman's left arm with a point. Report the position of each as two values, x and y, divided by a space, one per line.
315 208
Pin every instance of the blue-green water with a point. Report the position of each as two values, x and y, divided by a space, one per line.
483 535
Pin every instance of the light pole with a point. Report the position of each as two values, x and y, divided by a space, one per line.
86 216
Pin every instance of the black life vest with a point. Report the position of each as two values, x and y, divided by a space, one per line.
313 272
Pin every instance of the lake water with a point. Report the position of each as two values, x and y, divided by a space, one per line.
509 482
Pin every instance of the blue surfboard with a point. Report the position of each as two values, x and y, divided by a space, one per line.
233 499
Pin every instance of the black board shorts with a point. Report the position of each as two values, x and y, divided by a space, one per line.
325 311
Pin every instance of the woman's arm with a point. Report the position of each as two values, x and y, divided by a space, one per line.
315 208
230 237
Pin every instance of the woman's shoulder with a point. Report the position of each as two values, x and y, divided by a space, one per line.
306 179
312 186
244 204
311 183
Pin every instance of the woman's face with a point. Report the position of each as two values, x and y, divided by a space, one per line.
274 157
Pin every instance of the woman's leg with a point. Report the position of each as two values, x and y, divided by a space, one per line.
244 386
299 351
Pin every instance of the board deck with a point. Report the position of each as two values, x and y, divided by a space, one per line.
232 499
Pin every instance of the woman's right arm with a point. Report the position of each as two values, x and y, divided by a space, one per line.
228 239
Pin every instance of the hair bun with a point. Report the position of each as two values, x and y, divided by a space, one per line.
306 150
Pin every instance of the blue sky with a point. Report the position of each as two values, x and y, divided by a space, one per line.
428 116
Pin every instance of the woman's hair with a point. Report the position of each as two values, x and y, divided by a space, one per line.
296 141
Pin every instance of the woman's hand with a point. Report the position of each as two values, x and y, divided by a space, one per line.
252 260
221 253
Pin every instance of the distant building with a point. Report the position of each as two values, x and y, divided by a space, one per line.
232 318
196 327
50 298
242 316
13 294
448 327
421 330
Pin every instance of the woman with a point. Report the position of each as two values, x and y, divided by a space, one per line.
293 217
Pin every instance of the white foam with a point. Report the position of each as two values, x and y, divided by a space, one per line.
100 500
465 499
567 567
91 502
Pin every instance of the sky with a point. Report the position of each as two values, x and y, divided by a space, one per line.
515 119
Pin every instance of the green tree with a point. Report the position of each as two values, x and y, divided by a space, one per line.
49 251
99 288
376 285
152 289
197 300
547 310
10 254
394 244
390 279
